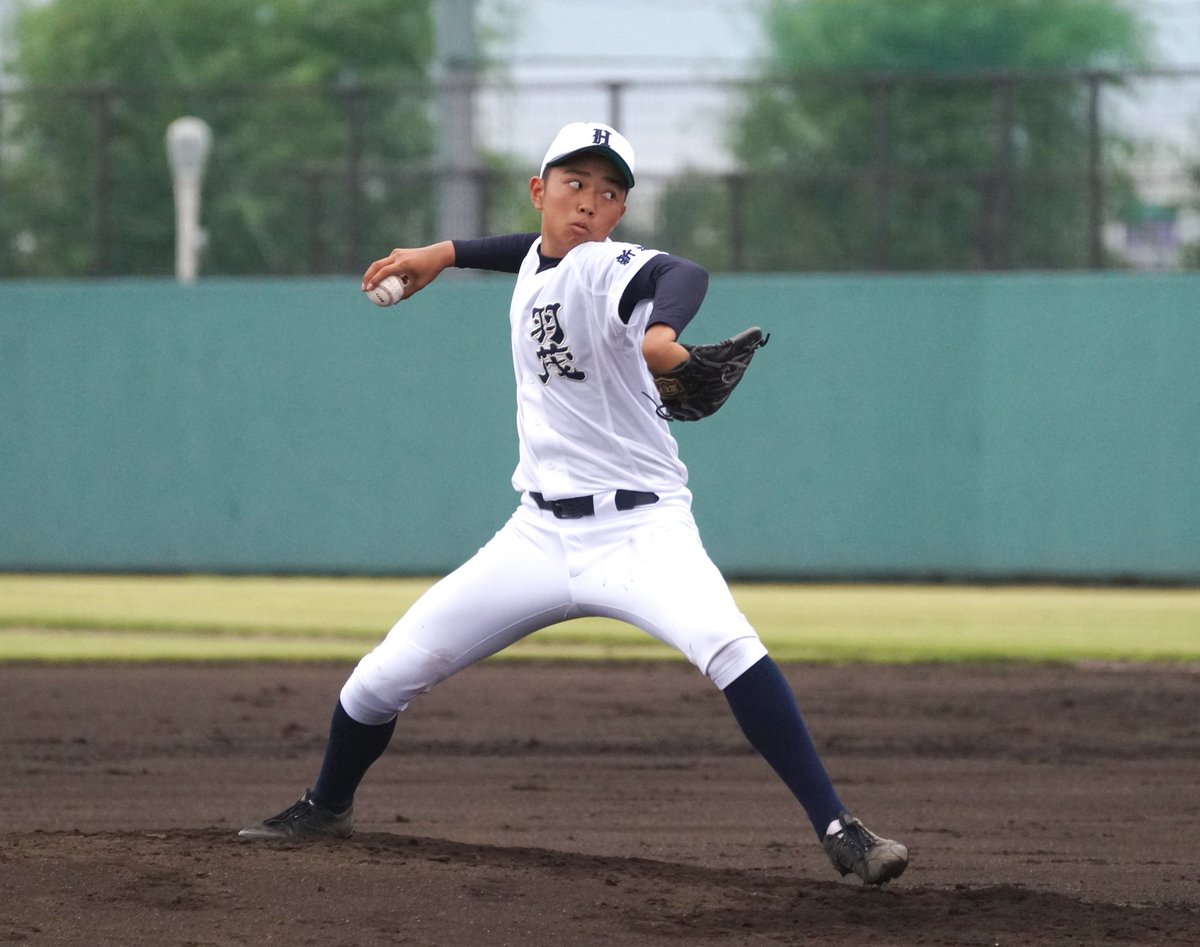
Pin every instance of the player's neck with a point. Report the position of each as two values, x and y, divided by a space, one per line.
547 262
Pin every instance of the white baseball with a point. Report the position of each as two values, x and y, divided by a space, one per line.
389 291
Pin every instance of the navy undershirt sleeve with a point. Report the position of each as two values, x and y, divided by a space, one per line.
502 254
676 285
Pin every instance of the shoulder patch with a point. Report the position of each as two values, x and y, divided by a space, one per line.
626 256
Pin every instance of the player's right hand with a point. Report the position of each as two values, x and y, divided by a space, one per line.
420 266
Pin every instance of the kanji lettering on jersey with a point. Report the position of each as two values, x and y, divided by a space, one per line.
554 354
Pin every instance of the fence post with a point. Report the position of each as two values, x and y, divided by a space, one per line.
997 249
881 107
3 107
102 182
314 219
459 64
1095 176
616 92
488 185
353 94
736 184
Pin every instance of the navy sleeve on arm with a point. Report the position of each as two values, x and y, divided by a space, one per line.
676 285
502 254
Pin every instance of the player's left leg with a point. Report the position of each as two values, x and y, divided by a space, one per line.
667 585
766 709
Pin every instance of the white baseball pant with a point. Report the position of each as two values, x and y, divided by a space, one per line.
645 566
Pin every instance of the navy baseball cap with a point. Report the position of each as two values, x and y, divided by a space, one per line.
595 138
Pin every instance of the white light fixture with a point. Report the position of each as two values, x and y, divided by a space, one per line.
188 142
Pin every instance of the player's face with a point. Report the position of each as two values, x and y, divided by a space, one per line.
581 201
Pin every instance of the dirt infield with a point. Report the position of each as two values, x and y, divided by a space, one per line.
535 804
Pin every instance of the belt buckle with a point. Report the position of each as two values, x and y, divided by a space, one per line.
573 509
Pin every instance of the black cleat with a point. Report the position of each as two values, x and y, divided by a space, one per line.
857 849
303 821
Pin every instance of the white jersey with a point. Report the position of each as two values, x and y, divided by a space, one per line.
586 401
588 427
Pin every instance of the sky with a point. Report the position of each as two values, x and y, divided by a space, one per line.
649 37
562 47
639 38
557 42
1177 29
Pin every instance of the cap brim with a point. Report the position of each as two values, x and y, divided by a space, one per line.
609 153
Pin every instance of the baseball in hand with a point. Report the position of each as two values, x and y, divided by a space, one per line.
389 291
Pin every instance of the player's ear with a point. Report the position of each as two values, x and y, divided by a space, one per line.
537 190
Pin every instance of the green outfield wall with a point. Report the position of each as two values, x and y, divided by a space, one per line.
965 427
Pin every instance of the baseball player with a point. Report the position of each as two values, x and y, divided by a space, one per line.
604 524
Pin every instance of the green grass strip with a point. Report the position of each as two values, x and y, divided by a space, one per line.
219 618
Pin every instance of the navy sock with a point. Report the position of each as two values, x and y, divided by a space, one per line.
765 708
351 750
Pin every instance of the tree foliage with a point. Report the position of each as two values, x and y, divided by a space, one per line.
951 35
906 134
313 105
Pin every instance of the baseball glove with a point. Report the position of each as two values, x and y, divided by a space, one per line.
698 387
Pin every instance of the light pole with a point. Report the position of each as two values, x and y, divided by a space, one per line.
459 59
188 141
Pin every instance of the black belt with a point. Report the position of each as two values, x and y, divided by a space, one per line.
573 508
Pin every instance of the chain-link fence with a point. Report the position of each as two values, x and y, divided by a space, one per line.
881 172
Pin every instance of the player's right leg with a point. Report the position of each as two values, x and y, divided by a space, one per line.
513 586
